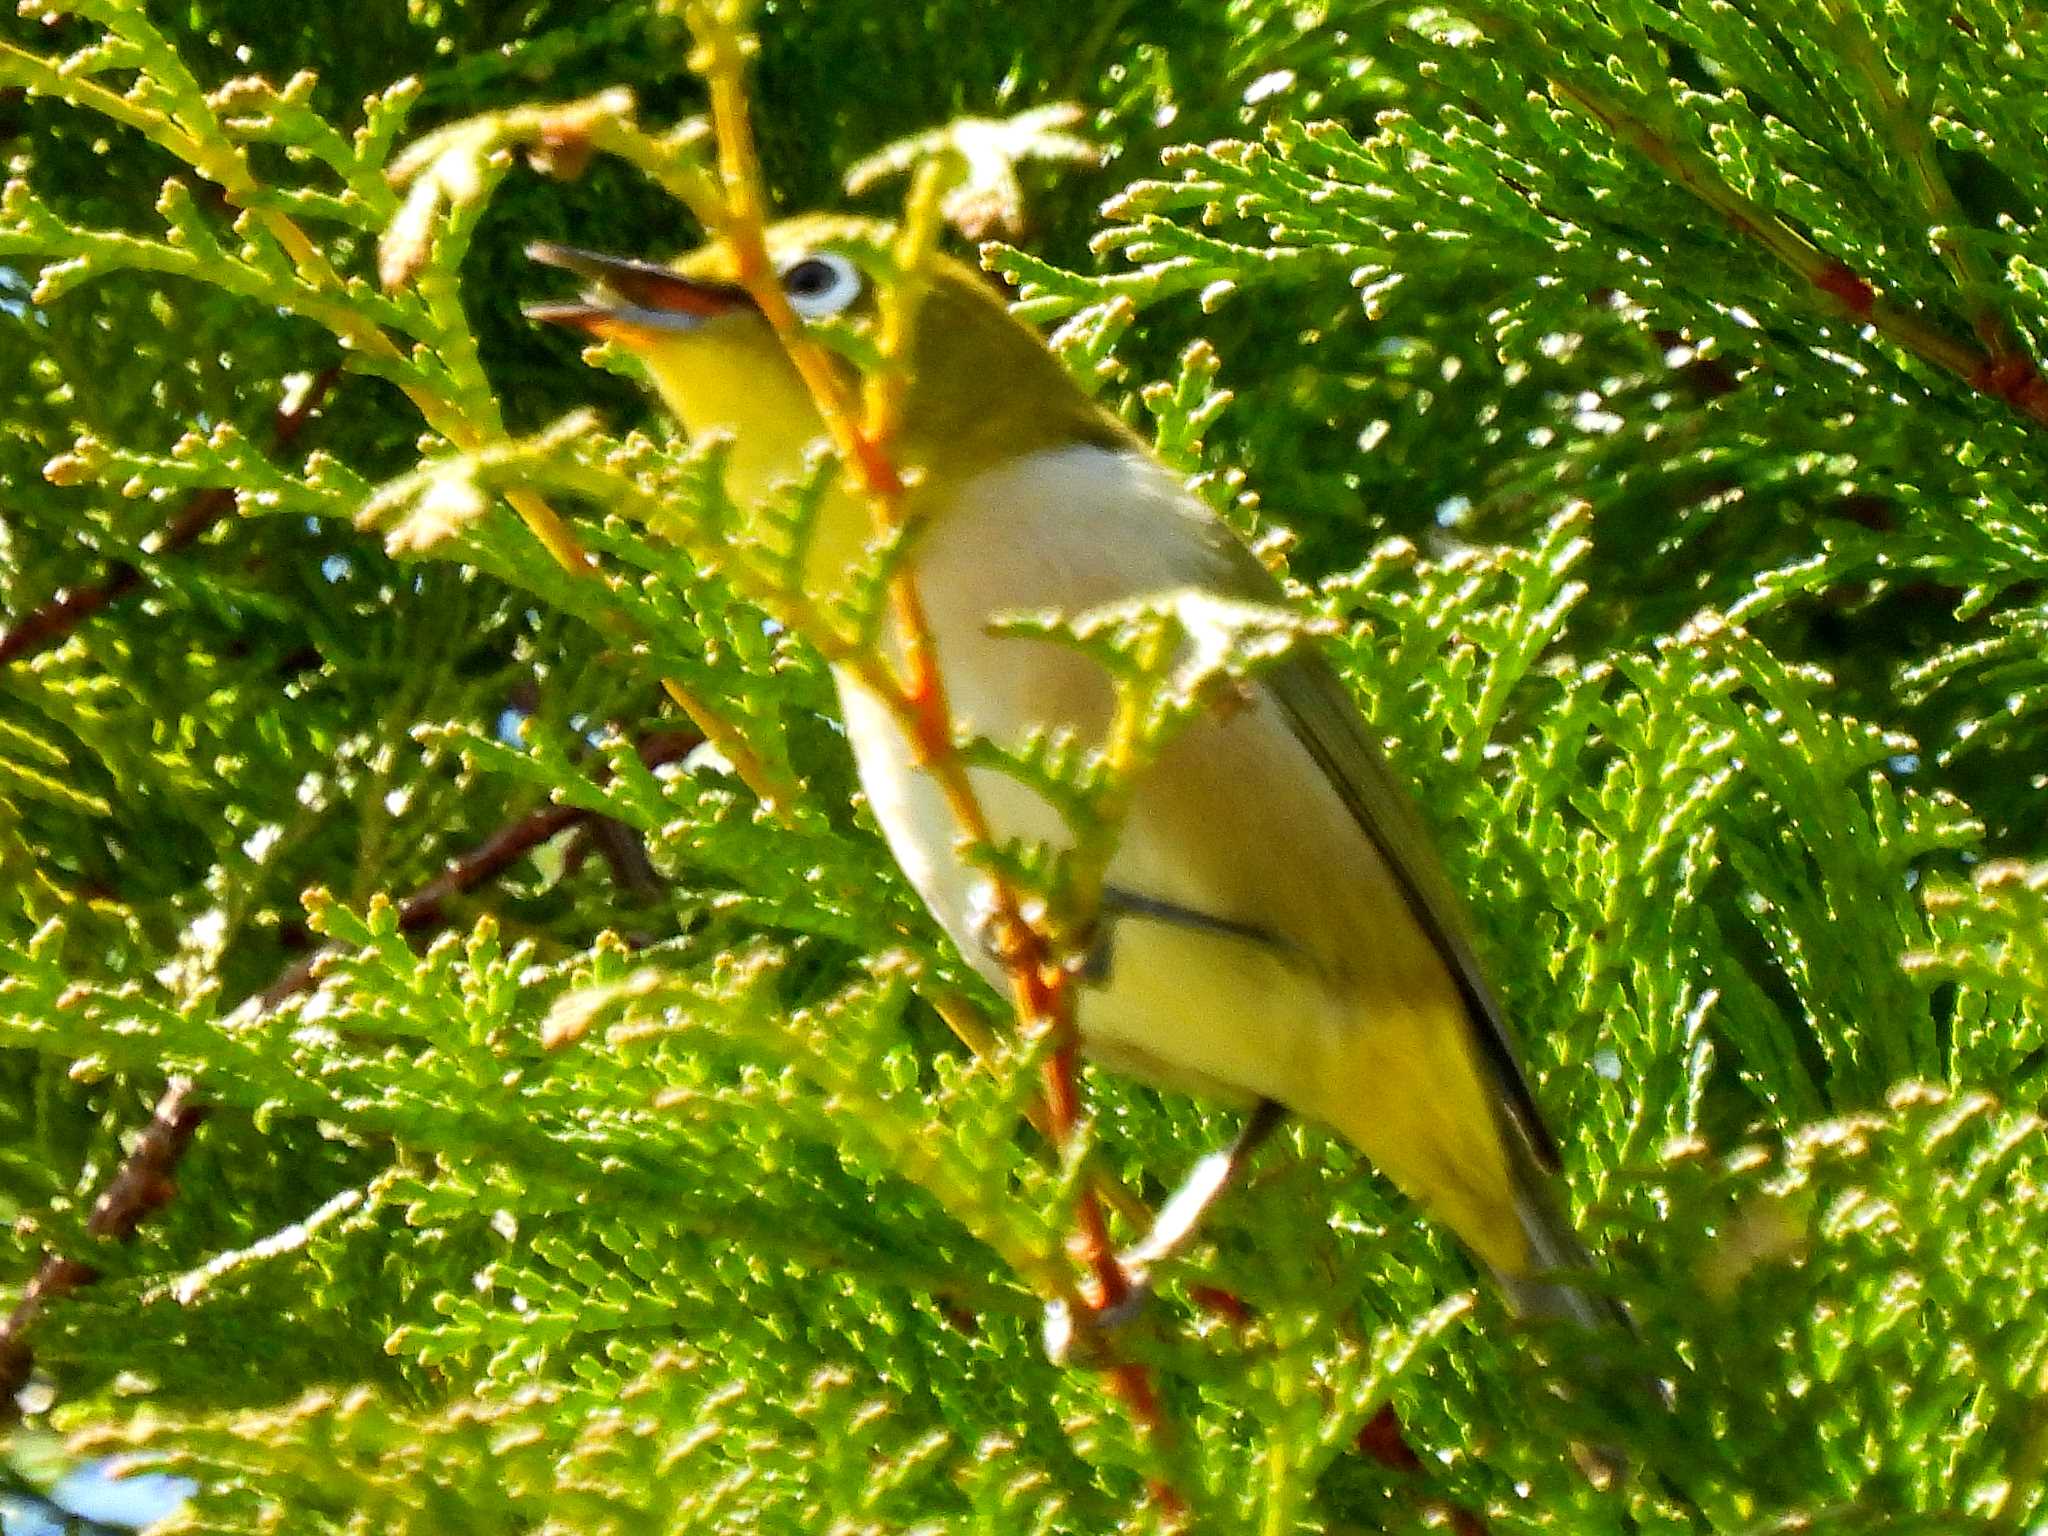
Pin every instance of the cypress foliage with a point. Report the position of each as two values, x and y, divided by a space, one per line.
438 1094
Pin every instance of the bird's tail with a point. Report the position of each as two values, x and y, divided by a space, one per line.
1557 1254
1549 1288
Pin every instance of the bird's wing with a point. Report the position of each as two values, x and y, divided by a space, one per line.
1327 722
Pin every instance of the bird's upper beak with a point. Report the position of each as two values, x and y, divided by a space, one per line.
632 295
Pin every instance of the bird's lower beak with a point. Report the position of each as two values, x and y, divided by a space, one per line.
632 295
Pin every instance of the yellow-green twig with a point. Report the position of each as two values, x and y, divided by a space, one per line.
224 165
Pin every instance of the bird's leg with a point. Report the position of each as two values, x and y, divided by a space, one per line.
1207 1182
1182 1215
1172 1230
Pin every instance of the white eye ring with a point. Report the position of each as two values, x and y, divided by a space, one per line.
821 285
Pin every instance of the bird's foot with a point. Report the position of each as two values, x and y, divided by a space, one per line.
1087 1337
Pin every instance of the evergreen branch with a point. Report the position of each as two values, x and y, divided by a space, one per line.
542 463
1693 872
985 194
1383 1439
139 1189
326 298
971 1028
449 168
443 496
190 251
559 138
453 171
468 418
189 129
267 114
41 76
47 625
1915 146
144 1183
426 909
2000 373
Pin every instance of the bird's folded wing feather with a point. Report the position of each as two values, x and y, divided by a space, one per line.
1327 721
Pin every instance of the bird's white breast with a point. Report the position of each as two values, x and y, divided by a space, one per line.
1235 822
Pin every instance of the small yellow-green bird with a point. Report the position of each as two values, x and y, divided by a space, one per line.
1275 928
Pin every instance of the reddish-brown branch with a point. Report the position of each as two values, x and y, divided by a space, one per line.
1381 1439
917 693
1841 284
426 909
1995 363
145 1182
1092 1243
58 617
2015 379
142 1187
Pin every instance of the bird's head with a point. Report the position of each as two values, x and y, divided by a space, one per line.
983 388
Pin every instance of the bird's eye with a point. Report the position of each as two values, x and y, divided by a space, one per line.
819 286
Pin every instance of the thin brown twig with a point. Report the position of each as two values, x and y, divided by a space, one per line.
142 1186
1382 1439
916 694
972 1030
145 1183
45 626
1992 366
426 909
1915 146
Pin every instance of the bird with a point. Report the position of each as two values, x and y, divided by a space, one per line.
1276 929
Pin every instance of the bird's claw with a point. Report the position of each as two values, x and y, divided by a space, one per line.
1087 1338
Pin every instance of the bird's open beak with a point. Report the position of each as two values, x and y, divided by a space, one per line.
632 295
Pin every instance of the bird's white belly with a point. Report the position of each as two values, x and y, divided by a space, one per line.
1233 1016
1236 821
